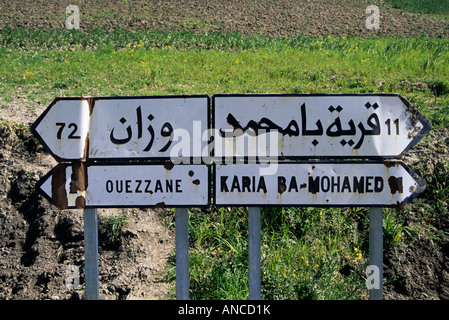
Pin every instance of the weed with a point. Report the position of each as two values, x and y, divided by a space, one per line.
110 229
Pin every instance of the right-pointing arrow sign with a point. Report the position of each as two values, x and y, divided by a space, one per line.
300 126
328 184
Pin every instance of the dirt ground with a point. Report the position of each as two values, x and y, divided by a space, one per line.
39 243
265 17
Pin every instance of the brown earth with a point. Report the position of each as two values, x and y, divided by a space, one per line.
265 17
38 243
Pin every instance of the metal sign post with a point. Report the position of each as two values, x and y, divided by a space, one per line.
254 253
182 253
376 251
91 253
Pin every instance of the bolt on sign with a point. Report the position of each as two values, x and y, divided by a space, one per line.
305 126
324 184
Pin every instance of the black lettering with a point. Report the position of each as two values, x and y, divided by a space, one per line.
335 184
314 185
139 182
346 184
378 184
169 186
178 186
235 184
119 187
262 185
281 184
246 183
109 186
358 185
147 187
223 186
395 184
368 185
325 184
158 186
128 186
293 185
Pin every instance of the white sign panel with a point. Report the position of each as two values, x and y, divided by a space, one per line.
154 127
63 128
131 185
315 126
316 184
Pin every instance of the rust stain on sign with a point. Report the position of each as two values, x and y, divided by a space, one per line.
59 194
78 183
281 185
78 178
91 103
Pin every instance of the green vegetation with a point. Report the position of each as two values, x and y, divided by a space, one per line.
440 7
152 62
307 253
110 230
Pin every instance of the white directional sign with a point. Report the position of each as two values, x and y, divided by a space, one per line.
124 127
316 184
315 126
126 185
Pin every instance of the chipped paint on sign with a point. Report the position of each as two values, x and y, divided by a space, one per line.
112 128
316 125
127 185
317 184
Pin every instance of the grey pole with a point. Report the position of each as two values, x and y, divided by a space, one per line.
182 253
254 253
91 253
376 252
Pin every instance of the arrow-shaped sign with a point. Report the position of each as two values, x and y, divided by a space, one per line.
346 184
300 126
126 185
104 128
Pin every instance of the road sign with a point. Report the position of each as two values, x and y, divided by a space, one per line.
126 185
300 126
345 184
112 128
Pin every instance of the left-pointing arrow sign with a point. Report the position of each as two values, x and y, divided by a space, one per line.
126 185
140 127
63 128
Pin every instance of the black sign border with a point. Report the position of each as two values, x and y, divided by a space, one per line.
106 159
427 125
136 163
420 188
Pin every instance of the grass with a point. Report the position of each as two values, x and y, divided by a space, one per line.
307 253
440 7
110 230
188 63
